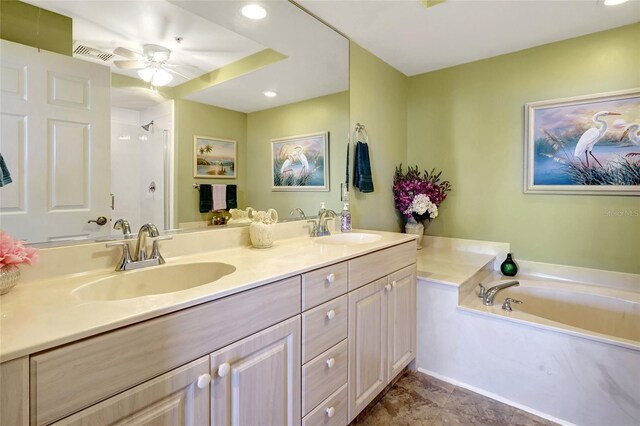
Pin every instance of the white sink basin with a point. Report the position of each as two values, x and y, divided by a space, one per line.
349 239
153 280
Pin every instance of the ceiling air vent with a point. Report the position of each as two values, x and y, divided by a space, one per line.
82 50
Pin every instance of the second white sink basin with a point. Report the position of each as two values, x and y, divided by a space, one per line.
153 280
351 238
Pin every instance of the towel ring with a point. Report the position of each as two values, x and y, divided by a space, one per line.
360 130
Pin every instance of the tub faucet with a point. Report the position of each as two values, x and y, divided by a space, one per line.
489 294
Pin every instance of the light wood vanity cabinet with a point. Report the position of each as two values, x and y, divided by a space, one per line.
256 381
313 349
382 335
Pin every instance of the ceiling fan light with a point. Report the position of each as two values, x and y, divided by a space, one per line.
161 77
254 11
147 74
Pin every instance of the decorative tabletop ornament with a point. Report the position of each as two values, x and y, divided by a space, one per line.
418 197
261 228
509 267
12 254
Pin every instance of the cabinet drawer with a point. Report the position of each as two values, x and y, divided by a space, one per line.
323 284
368 268
323 375
323 327
75 376
332 411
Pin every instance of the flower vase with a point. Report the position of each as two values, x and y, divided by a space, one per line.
416 228
9 277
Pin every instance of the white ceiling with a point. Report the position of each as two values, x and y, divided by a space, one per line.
216 34
105 25
415 40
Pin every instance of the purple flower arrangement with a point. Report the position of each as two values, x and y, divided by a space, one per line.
406 186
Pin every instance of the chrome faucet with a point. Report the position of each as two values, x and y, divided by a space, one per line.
487 295
141 246
123 224
140 258
323 218
298 210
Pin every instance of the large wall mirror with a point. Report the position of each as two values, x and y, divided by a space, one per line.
224 69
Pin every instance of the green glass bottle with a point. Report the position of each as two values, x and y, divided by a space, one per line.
509 267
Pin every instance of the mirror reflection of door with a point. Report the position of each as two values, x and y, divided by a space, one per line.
55 142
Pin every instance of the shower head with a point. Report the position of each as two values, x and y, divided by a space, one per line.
149 126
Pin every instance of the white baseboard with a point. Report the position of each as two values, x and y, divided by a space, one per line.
495 397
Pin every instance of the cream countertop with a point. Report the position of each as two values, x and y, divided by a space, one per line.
42 313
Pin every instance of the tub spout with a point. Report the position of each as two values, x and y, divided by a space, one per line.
490 294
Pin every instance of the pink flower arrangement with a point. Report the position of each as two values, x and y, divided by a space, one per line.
407 186
14 252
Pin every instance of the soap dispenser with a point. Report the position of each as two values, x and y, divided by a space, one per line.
345 219
509 267
322 209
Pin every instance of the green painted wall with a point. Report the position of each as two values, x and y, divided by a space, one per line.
469 121
30 25
327 113
193 118
378 99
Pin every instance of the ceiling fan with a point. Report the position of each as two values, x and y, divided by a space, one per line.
152 64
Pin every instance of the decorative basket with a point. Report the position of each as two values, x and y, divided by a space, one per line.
9 277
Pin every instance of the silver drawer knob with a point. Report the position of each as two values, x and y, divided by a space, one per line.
331 362
331 278
331 314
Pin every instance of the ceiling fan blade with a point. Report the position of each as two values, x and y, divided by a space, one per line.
126 53
176 73
130 64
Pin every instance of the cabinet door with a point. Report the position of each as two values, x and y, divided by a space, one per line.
256 381
179 397
367 344
402 319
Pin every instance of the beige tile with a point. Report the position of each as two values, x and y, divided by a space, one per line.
420 400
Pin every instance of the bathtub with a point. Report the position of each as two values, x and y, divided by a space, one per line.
569 353
595 312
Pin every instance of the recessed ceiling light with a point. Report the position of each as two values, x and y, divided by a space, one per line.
254 11
614 2
270 94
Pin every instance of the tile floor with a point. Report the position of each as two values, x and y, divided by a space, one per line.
417 399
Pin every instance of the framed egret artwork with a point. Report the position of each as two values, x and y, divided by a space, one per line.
300 163
584 145
214 157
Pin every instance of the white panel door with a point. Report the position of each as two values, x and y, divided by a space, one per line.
256 381
55 139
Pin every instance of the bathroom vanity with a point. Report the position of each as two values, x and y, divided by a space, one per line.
313 347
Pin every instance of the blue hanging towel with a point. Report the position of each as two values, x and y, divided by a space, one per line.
362 168
5 176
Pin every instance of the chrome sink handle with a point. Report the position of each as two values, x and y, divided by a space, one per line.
313 230
125 259
481 291
155 250
507 303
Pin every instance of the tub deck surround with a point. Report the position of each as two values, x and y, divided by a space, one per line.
573 375
41 313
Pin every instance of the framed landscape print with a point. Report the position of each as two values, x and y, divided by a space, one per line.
300 163
586 144
214 157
